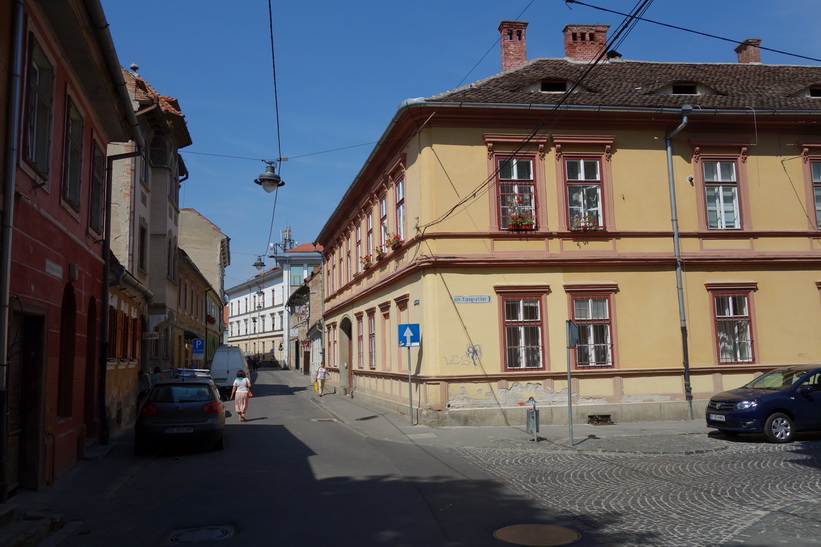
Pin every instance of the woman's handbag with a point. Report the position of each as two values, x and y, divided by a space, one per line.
316 386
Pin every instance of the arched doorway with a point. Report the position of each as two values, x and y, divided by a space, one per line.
345 356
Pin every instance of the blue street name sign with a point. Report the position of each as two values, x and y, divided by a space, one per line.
409 336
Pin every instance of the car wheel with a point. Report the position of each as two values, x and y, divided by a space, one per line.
779 428
220 444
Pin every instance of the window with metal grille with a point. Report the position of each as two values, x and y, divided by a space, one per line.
523 333
371 340
592 315
733 333
359 343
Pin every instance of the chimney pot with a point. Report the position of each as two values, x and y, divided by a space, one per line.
584 42
514 44
749 51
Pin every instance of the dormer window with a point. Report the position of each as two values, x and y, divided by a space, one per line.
815 91
554 87
685 89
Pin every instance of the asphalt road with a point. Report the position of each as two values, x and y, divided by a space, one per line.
311 471
291 475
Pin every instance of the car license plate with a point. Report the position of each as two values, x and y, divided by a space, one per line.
182 429
718 417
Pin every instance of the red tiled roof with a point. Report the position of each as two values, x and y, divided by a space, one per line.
147 95
305 248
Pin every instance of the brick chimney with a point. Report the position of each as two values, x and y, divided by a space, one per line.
584 42
748 51
514 44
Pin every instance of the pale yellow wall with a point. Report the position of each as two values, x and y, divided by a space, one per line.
461 342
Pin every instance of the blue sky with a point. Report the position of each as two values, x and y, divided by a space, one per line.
342 69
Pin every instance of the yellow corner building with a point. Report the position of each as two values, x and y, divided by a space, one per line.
660 218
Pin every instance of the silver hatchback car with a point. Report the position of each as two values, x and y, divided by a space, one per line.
182 411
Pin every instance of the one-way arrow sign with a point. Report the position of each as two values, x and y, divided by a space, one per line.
409 335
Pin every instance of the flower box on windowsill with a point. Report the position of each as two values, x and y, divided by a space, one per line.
520 227
594 228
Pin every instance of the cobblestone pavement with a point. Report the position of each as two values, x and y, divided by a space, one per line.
687 490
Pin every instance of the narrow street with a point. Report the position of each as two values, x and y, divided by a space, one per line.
311 471
291 475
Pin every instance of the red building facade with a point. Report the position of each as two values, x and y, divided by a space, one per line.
71 104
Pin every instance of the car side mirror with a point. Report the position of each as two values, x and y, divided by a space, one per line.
806 389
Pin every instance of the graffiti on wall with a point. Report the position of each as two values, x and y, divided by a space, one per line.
472 356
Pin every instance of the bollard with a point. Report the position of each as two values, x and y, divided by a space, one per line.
533 420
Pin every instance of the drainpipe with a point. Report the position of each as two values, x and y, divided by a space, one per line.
686 110
13 122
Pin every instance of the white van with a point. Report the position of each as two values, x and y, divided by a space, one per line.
224 366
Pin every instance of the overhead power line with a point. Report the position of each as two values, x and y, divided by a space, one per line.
691 31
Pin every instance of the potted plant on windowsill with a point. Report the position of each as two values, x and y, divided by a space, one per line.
367 261
521 217
584 223
394 241
380 251
523 222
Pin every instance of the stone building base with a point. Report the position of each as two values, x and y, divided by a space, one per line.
548 415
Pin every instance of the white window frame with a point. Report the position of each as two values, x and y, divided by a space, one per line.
733 324
400 208
383 219
721 197
594 348
516 190
584 193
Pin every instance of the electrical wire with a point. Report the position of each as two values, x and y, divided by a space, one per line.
491 47
684 29
278 130
618 37
635 18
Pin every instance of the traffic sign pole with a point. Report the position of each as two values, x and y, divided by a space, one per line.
410 389
572 340
409 337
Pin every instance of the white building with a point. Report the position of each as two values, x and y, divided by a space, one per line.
256 317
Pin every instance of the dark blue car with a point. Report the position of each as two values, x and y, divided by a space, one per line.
777 403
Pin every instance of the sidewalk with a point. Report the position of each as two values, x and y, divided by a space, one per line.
688 437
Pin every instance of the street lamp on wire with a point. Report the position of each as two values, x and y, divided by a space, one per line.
269 180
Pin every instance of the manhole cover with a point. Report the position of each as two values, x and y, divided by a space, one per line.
200 535
537 535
